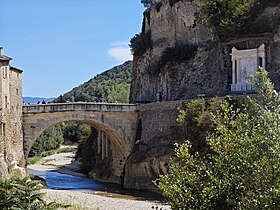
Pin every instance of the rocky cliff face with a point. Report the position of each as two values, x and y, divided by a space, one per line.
208 71
162 70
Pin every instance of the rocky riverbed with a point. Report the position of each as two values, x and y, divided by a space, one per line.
88 199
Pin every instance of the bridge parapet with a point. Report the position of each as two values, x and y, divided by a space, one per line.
76 106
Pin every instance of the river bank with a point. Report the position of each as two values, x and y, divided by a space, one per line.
87 199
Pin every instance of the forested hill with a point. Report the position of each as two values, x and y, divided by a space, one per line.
111 86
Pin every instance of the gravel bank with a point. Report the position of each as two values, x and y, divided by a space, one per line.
82 199
85 200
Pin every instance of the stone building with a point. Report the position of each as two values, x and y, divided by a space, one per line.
11 141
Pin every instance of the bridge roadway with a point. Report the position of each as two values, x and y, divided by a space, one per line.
75 106
116 125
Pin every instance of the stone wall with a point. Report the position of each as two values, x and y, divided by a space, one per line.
156 134
11 156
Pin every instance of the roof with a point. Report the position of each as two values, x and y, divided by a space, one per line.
5 58
16 69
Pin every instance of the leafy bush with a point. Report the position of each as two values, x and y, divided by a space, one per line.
230 17
173 55
178 54
140 43
22 193
240 168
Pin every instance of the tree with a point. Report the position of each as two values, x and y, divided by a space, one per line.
240 168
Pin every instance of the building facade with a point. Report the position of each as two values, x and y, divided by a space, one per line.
11 141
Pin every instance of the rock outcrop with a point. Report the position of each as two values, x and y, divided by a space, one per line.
209 71
158 75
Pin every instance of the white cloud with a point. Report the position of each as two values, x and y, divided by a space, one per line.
120 51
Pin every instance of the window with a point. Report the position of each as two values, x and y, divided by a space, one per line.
4 129
17 91
5 72
6 101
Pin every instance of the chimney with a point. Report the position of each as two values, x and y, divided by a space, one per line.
1 51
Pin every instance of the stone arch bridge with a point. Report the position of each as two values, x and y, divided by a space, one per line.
116 124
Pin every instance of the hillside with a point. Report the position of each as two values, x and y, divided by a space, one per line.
110 86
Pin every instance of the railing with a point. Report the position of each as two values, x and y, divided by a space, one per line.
78 106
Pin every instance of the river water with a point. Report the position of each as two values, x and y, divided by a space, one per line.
59 181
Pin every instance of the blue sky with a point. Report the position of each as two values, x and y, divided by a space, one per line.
62 43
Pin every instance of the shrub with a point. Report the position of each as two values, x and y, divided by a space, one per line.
230 17
22 193
240 168
178 54
140 43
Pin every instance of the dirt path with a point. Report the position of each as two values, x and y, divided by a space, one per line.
81 199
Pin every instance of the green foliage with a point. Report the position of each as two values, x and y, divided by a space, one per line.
101 88
66 150
51 139
178 54
35 159
22 193
140 43
74 132
173 55
84 152
231 16
196 117
240 168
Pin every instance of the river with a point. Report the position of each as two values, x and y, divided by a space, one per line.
88 193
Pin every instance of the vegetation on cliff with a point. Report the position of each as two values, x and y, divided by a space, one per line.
238 167
140 43
232 17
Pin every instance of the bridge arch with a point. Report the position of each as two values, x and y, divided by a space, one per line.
115 122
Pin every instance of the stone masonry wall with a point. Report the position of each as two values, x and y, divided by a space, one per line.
156 135
11 145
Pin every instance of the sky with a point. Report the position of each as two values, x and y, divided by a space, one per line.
60 44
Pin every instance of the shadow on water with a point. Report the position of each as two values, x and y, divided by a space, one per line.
59 181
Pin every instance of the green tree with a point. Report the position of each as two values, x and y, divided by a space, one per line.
240 168
51 139
230 16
